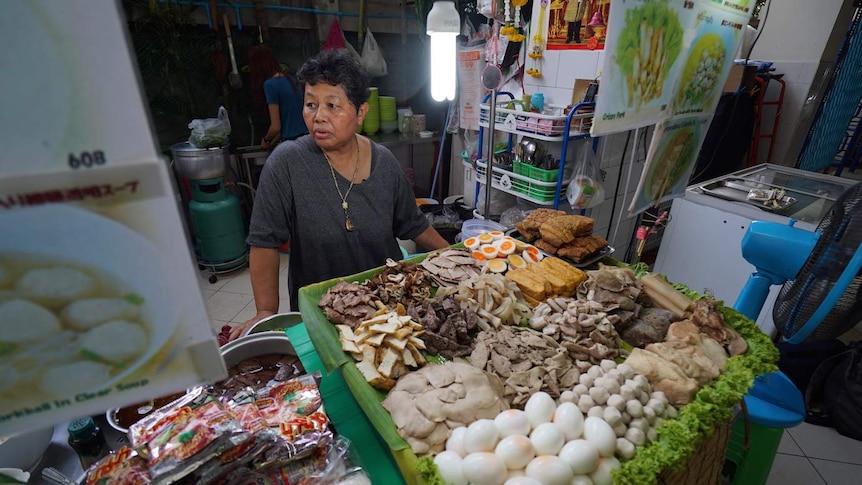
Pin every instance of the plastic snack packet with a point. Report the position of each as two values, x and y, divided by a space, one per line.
123 467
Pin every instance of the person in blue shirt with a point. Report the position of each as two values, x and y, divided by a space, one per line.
277 93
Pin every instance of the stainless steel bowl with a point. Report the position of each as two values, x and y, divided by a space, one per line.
24 450
200 163
276 322
255 345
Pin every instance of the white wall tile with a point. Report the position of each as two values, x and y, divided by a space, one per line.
558 96
790 69
549 65
576 65
809 70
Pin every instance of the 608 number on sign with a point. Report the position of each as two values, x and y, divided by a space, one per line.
87 159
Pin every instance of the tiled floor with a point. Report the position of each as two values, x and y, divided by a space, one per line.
230 300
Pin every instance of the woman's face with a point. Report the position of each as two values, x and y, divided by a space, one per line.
330 116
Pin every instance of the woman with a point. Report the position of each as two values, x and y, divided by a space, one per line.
339 198
277 93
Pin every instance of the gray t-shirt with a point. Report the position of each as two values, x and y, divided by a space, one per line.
296 201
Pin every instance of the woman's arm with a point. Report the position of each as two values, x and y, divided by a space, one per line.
263 268
273 134
431 239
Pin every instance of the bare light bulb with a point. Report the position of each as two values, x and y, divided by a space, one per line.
443 73
443 25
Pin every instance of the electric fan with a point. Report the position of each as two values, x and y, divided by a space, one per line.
819 299
819 272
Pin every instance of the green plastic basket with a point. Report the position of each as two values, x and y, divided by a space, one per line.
535 173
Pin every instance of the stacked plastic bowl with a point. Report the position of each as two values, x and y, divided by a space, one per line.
372 120
388 114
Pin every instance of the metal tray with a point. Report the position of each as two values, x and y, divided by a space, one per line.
737 190
601 253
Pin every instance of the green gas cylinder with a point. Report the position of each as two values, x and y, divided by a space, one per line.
217 226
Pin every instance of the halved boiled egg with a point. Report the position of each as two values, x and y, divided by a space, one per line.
471 243
489 251
531 257
485 238
478 256
497 265
516 261
497 235
521 245
506 247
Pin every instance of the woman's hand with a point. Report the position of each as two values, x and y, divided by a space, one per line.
242 328
266 144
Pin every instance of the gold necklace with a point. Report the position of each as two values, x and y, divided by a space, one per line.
348 224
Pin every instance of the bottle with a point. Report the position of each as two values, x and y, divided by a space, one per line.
537 102
86 438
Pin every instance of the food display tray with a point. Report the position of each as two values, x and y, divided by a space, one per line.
738 190
598 256
335 361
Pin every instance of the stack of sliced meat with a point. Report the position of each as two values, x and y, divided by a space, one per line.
452 266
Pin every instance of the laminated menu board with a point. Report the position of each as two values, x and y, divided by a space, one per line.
99 301
666 58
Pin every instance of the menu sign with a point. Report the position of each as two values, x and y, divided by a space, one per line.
99 302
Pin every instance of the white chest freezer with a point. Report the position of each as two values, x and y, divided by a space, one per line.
701 246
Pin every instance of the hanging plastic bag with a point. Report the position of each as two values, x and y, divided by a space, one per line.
335 38
210 132
372 57
585 189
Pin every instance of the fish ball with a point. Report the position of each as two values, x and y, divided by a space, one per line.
115 341
70 378
55 287
22 321
89 313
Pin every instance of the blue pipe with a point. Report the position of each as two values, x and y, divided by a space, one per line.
238 6
440 151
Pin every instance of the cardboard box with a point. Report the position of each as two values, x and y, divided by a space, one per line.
739 76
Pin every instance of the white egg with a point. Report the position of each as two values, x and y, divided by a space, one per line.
515 451
449 464
456 441
540 408
598 432
582 480
548 439
512 421
581 456
550 470
481 435
602 475
570 420
525 480
484 469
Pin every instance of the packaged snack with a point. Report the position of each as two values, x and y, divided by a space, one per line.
244 409
179 438
123 467
294 409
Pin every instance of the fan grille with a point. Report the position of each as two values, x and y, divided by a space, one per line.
840 236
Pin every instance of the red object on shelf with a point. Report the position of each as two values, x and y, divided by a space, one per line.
761 82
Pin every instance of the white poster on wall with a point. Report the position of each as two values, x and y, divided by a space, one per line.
100 305
471 61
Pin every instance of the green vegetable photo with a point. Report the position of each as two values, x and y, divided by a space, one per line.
648 45
701 73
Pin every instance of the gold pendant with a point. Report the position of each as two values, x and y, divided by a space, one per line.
348 224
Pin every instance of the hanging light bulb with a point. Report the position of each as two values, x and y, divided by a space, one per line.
443 27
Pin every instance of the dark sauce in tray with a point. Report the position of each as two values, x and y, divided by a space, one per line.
130 415
257 372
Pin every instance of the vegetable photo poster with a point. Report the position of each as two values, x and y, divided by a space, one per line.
670 160
666 58
646 40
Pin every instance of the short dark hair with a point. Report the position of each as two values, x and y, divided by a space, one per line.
338 67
